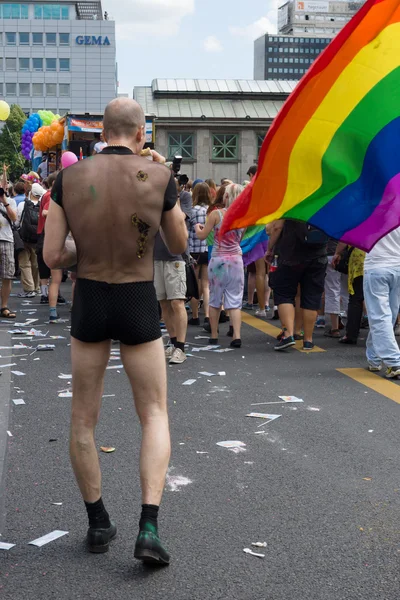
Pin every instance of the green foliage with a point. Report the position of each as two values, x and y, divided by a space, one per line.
10 139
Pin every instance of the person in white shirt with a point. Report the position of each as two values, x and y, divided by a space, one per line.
43 168
99 147
27 220
382 297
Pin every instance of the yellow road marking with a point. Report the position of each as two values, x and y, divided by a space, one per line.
374 382
273 331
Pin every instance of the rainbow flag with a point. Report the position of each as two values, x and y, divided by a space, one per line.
332 156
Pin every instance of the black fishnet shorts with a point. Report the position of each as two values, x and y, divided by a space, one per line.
127 312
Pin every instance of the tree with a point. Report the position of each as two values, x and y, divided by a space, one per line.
10 139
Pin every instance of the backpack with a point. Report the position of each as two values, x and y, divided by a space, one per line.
308 234
29 222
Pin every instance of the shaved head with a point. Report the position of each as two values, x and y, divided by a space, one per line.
123 117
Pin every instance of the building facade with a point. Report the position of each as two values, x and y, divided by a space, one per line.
57 55
286 56
217 126
316 17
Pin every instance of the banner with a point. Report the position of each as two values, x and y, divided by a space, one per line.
85 125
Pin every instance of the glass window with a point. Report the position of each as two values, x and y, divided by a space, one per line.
181 144
291 50
64 39
296 60
11 64
280 49
24 64
51 39
24 39
37 89
290 70
270 49
301 40
37 39
286 50
296 50
225 146
14 11
281 60
275 70
285 70
51 89
11 89
65 89
286 60
11 39
312 51
260 140
312 41
280 70
302 61
64 64
301 50
281 39
24 89
37 64
51 64
65 13
51 12
296 70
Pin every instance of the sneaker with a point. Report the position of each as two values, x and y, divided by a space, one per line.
285 343
53 320
169 350
348 341
44 300
178 357
332 333
247 306
261 313
98 540
392 372
61 300
320 323
374 368
308 346
149 549
26 294
193 321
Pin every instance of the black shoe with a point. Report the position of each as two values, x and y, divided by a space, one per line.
285 343
223 317
276 316
230 332
213 341
308 346
148 548
61 300
236 344
44 300
98 539
193 321
206 320
348 341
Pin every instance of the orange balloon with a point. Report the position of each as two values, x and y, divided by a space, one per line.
54 126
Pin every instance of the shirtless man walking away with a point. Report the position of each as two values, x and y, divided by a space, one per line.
114 229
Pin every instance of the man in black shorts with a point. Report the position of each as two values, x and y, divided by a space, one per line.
302 261
114 227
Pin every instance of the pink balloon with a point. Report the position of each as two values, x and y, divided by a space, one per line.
68 159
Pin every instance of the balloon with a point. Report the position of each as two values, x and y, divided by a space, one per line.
68 159
4 110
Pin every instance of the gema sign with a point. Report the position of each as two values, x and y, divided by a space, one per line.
92 40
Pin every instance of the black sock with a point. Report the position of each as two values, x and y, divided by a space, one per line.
173 341
180 345
98 516
148 518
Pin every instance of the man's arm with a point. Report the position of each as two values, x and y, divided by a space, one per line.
57 252
274 231
174 230
338 254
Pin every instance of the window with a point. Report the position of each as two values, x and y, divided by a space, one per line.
37 89
37 64
286 60
225 146
301 50
281 60
65 89
52 12
296 60
296 70
312 51
51 64
302 61
270 60
275 70
14 11
290 70
24 89
270 49
1 63
51 89
37 39
281 39
11 64
260 140
11 39
280 70
312 41
11 89
24 64
51 39
296 50
64 64
24 39
181 144
301 40
291 50
285 70
64 39
286 50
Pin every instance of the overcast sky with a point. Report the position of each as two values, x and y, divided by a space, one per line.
199 39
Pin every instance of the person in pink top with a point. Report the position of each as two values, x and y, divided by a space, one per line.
225 270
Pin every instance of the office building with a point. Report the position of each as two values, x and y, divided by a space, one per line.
286 56
315 17
57 55
217 126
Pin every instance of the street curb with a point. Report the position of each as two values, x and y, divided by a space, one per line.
5 401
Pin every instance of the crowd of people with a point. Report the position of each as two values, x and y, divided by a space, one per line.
169 233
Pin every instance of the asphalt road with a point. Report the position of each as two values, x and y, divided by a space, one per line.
320 484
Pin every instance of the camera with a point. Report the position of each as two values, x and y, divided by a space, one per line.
176 164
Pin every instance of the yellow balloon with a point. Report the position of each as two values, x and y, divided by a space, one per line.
4 110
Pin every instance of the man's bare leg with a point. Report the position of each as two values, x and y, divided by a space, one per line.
180 320
168 316
150 395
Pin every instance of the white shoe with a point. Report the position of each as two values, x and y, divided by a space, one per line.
178 357
374 368
169 350
261 313
392 372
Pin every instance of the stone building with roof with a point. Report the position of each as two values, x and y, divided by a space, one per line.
217 126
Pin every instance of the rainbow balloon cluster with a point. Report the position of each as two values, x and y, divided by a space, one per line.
29 129
42 131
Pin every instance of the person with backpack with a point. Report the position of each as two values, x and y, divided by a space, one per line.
27 221
302 261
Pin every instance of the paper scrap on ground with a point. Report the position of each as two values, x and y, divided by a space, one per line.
248 551
65 395
62 376
18 373
175 482
45 347
259 544
291 399
221 373
9 434
233 445
57 337
115 367
263 416
198 452
50 537
107 449
57 503
7 365
206 374
202 337
223 350
18 401
4 546
189 382
37 333
109 396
